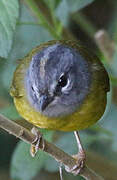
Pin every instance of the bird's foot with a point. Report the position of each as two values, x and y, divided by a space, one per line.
80 163
37 141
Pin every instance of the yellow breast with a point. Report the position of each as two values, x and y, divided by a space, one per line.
89 112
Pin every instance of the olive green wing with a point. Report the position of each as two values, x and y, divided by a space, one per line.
96 67
17 86
101 74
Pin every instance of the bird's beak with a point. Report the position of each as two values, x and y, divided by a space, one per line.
45 101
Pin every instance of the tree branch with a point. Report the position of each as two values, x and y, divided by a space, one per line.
108 48
59 155
105 44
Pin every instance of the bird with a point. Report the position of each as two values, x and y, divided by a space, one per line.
61 85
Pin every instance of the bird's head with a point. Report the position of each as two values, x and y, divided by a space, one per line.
57 80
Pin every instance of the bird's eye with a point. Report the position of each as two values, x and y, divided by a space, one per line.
62 81
64 84
32 88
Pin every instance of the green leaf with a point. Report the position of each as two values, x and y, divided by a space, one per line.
9 12
64 142
62 12
52 4
26 38
10 112
110 124
66 7
54 165
77 5
23 166
69 176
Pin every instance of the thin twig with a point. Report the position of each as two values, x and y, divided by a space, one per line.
105 44
39 8
108 48
59 155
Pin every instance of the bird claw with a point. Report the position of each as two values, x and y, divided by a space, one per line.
80 163
37 141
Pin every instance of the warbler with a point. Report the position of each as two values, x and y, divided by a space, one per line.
61 85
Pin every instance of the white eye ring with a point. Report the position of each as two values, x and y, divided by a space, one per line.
67 87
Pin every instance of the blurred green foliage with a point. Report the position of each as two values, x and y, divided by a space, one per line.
25 167
7 25
23 26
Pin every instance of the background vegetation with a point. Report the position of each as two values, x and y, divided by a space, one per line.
24 25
